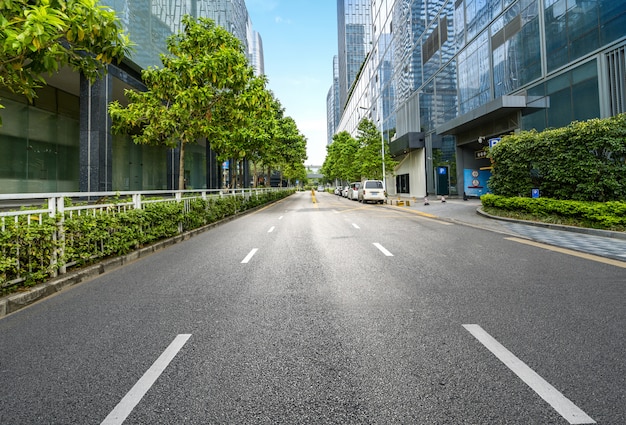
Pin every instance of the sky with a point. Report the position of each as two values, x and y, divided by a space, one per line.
299 42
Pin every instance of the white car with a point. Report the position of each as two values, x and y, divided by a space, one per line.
372 191
353 191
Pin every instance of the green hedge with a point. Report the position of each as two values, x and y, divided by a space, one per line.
601 215
26 251
585 161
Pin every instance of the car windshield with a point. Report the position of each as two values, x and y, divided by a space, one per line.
374 185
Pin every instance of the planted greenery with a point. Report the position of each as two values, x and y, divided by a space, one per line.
585 161
27 250
601 215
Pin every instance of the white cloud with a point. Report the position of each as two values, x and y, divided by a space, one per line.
281 20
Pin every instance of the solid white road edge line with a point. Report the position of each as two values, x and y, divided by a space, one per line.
249 256
382 249
572 413
136 393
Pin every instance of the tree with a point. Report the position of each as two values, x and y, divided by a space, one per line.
369 156
41 36
340 163
200 92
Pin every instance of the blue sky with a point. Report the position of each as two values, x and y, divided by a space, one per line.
299 42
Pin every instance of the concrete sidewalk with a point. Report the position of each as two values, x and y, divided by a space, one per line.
602 243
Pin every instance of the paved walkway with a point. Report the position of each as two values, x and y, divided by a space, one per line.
597 242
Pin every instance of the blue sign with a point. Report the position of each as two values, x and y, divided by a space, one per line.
475 182
494 141
442 170
535 193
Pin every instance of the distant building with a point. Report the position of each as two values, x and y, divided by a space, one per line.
443 79
63 142
332 103
354 29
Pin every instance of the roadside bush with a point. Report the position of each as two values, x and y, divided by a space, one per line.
27 250
585 161
600 215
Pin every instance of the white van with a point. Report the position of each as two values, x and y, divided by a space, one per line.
372 191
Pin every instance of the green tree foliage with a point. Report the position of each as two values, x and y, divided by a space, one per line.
369 156
38 37
340 161
584 161
198 93
351 159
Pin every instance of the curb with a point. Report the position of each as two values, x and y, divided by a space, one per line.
574 229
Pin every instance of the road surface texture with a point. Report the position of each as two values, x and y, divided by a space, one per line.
321 310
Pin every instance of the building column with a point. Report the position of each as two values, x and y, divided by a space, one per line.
213 169
95 174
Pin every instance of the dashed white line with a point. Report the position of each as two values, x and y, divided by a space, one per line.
572 413
249 256
271 229
355 226
136 393
280 218
382 249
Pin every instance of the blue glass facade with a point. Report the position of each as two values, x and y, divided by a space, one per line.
355 35
462 71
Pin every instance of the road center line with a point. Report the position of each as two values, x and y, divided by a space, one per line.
249 256
355 226
271 229
572 413
382 249
136 393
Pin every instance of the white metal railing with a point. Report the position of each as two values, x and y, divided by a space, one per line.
31 209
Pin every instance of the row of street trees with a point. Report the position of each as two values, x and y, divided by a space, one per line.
206 89
354 159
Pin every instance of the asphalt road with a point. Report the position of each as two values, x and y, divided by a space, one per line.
327 312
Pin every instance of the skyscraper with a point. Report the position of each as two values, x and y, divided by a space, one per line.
444 77
354 29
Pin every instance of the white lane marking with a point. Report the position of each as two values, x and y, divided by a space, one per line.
280 218
572 413
249 256
355 226
136 393
383 250
271 229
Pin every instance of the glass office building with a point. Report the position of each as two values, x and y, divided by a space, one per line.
62 142
354 30
446 77
333 113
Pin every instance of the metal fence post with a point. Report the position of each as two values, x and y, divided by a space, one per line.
61 234
52 206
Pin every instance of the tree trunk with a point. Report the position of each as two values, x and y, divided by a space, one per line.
181 167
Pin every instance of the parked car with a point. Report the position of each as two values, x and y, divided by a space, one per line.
353 191
338 190
371 191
